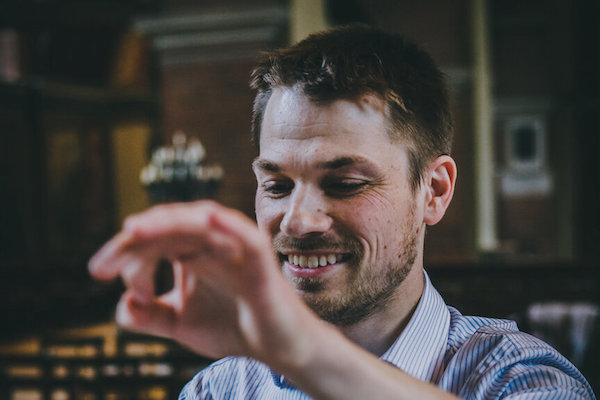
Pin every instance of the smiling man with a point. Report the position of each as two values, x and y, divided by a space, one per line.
334 193
327 297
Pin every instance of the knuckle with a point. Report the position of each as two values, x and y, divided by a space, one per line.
130 222
129 274
206 204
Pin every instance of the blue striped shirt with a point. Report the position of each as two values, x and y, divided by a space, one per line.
472 357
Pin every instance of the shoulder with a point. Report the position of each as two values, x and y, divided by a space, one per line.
227 378
491 358
463 328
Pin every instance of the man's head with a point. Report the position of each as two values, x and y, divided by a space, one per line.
350 61
337 188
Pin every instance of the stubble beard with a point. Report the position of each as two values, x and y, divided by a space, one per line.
368 288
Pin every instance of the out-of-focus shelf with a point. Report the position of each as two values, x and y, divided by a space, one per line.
78 97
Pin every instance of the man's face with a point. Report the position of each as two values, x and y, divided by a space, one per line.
334 193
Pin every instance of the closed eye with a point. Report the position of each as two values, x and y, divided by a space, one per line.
277 189
344 188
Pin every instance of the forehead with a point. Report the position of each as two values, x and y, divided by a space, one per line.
292 123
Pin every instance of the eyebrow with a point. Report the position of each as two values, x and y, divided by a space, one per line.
265 165
341 162
336 163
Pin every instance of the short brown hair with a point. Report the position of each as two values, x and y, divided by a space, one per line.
349 61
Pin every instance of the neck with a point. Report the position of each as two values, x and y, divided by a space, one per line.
378 332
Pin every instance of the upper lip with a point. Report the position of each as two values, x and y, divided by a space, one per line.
309 252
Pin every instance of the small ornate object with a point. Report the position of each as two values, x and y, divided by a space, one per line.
177 172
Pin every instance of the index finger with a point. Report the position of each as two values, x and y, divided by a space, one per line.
100 265
166 231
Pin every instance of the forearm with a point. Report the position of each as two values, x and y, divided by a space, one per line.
336 368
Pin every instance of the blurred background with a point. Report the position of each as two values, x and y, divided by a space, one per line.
89 89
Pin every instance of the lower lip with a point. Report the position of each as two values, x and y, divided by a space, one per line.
309 272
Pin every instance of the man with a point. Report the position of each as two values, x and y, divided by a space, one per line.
353 130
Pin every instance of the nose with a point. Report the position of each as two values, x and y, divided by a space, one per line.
306 213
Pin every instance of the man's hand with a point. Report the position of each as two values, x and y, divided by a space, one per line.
229 296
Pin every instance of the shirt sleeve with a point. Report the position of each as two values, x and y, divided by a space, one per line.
541 382
193 390
518 366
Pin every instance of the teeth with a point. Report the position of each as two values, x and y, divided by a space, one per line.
302 261
312 261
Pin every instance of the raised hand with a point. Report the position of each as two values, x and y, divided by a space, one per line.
229 296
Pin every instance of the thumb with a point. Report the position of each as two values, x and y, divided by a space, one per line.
145 316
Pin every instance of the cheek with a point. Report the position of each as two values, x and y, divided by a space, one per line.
268 215
382 223
378 209
370 219
261 212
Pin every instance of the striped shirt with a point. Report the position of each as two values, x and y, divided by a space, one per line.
472 357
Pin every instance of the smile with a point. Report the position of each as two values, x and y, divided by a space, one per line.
313 261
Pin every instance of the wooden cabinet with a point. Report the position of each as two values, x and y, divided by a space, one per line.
58 198
66 96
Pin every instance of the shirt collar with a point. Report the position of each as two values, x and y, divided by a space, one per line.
420 348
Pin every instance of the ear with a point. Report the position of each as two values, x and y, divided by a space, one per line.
440 188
